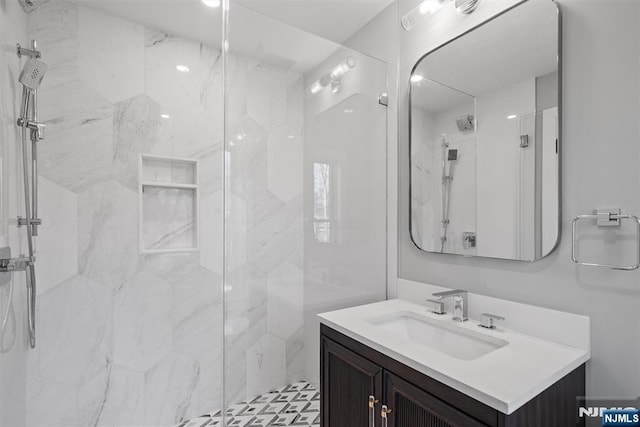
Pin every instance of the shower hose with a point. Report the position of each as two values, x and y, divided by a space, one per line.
9 311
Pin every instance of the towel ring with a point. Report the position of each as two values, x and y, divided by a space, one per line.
605 216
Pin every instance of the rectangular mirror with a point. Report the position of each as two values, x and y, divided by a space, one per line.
484 137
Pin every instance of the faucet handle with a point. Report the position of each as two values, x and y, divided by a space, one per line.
487 320
439 306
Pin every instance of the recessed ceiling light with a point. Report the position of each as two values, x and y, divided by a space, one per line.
182 68
211 3
416 78
165 116
513 116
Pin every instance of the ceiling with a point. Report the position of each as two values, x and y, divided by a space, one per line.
335 20
291 34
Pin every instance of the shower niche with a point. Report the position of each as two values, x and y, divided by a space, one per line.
484 139
168 198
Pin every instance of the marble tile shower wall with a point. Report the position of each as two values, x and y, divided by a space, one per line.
127 339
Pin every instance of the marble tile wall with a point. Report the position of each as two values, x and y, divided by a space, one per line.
126 339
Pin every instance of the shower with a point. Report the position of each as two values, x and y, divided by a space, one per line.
32 131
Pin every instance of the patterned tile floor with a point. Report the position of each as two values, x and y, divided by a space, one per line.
294 405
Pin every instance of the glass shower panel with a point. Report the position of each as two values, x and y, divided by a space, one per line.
305 228
129 254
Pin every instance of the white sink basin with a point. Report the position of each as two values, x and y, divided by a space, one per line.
448 338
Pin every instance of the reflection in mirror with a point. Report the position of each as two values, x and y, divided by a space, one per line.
484 139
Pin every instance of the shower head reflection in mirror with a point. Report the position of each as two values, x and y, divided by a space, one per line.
30 5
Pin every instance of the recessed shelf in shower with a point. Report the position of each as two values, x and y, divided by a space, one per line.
168 204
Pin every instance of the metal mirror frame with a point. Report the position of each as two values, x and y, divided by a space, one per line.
560 131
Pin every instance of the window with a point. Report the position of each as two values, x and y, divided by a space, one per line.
322 202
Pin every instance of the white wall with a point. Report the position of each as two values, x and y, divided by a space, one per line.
601 153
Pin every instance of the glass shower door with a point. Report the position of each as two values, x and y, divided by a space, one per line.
305 229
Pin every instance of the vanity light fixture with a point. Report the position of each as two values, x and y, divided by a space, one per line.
165 116
334 77
211 3
342 68
315 87
182 68
512 116
466 6
420 13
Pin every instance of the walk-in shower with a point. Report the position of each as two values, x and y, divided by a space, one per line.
178 272
32 131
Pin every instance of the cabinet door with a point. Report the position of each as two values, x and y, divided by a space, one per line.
346 382
413 407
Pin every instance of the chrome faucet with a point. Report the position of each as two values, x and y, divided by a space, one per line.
459 303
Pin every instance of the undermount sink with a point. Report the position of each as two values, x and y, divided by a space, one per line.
448 338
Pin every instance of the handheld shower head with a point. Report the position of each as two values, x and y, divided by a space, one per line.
33 73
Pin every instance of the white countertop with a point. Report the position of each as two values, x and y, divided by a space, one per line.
504 379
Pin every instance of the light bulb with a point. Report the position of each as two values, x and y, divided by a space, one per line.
315 87
418 14
211 3
342 68
182 68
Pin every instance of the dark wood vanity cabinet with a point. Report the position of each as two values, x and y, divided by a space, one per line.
351 379
350 372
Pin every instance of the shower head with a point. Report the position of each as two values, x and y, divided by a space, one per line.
33 73
452 154
30 5
466 124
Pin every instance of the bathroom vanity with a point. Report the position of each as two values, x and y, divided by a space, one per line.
394 363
